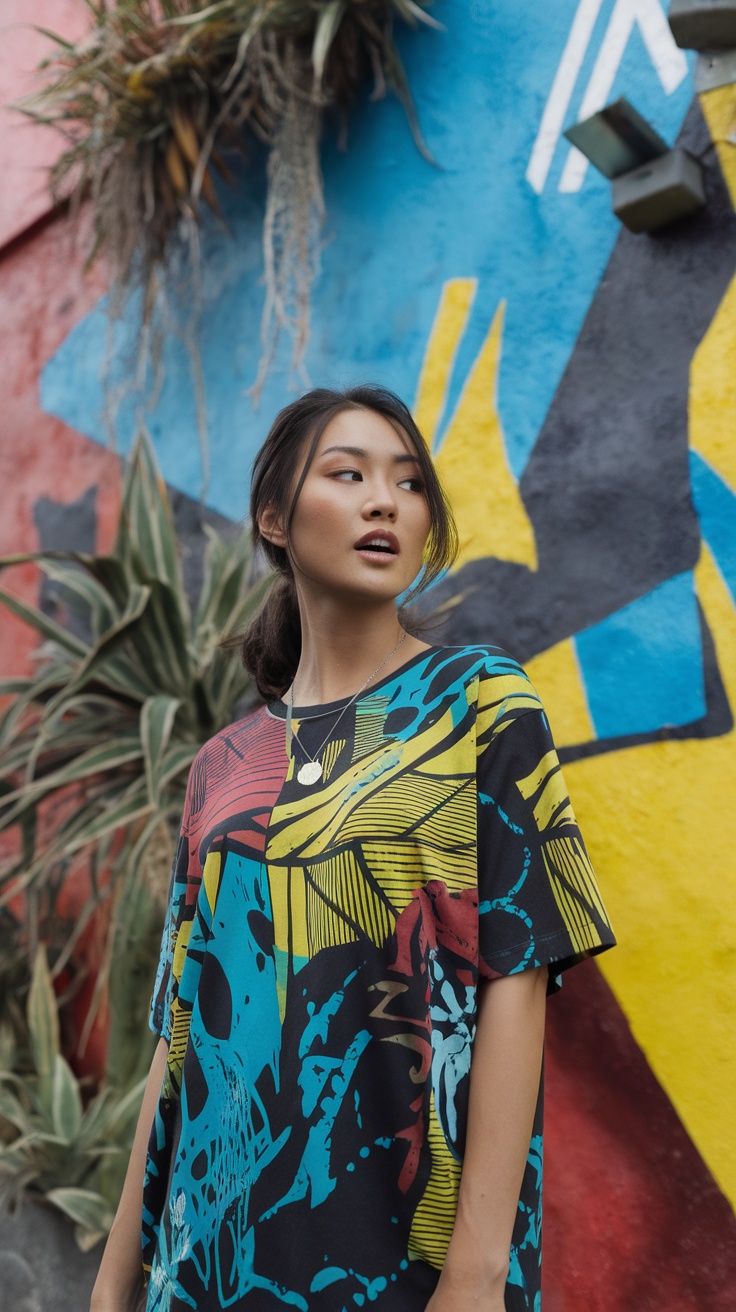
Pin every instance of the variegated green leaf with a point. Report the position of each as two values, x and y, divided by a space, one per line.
137 601
87 1208
157 721
149 520
161 644
325 31
11 687
12 1110
43 1021
97 601
112 818
66 1103
110 756
43 624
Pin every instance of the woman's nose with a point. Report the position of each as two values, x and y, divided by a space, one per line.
381 501
380 507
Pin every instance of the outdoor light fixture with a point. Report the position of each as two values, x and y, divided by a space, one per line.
708 26
652 184
703 24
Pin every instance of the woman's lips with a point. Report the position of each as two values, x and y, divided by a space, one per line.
379 544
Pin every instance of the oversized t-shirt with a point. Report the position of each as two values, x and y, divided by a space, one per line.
318 987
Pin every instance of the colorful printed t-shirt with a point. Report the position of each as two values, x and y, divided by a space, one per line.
318 980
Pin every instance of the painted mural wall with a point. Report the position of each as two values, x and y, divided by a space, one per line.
577 386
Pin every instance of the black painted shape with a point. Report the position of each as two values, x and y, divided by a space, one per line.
607 486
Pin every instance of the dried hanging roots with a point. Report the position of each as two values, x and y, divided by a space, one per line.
160 90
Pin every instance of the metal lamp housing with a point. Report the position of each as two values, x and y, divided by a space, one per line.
657 193
652 185
703 24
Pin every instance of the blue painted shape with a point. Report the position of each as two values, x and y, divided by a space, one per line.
399 229
642 667
715 503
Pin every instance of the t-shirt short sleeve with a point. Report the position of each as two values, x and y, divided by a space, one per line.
538 897
186 877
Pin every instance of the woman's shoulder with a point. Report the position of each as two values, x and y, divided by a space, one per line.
484 661
232 738
492 678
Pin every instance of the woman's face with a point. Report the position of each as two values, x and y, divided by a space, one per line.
364 483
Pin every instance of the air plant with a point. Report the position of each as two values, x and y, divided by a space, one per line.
159 92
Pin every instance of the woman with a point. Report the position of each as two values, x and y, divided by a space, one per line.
379 880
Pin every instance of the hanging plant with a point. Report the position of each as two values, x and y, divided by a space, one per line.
159 91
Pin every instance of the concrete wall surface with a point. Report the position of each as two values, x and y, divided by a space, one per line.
577 385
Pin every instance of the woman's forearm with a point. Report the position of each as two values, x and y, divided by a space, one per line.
120 1276
504 1085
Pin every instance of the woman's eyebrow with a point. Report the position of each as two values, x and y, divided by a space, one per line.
360 451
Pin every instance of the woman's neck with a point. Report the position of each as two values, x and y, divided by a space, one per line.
339 652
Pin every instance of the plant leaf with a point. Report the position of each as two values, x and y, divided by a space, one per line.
327 25
110 756
66 1102
148 520
87 1208
97 602
157 721
48 627
95 657
43 1019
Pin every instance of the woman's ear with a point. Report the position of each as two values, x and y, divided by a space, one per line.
270 526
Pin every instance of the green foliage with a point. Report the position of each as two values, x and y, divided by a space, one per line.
116 720
95 748
51 1144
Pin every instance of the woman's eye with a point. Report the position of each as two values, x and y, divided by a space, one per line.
416 484
351 474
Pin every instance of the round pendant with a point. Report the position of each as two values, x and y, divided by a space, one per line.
310 773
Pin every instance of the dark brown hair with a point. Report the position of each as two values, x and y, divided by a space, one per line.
271 645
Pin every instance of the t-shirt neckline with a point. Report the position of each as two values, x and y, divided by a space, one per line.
278 708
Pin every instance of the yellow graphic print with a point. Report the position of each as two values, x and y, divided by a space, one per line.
434 1218
345 860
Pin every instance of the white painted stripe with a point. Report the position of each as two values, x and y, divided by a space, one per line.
669 62
555 111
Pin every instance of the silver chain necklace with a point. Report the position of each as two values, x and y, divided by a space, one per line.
311 771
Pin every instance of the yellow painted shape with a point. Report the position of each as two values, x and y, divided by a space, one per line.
719 110
713 382
439 360
660 825
472 464
556 676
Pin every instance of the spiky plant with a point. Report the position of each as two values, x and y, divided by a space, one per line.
52 1147
96 744
157 89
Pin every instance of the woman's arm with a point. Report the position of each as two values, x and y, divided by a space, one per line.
504 1084
120 1278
